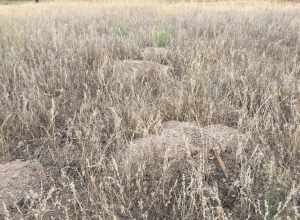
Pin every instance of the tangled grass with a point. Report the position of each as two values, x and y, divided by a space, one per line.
62 104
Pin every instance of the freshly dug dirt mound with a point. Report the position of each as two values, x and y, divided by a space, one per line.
139 70
183 139
19 181
215 149
155 54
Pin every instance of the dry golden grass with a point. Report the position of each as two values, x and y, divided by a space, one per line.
63 104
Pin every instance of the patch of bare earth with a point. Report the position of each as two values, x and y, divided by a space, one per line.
182 149
20 183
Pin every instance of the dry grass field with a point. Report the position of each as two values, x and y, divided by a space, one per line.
66 103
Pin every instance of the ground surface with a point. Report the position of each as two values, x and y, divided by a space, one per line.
64 104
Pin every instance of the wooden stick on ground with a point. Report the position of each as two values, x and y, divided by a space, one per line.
220 162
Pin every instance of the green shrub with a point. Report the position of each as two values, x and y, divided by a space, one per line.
161 38
120 31
273 199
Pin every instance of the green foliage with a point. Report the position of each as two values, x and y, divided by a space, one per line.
161 38
120 31
274 198
6 2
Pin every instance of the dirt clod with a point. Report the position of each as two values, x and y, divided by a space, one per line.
19 180
155 54
215 149
135 69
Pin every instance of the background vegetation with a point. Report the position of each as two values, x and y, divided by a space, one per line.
62 104
136 1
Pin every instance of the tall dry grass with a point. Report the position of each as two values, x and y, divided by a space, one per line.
61 103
